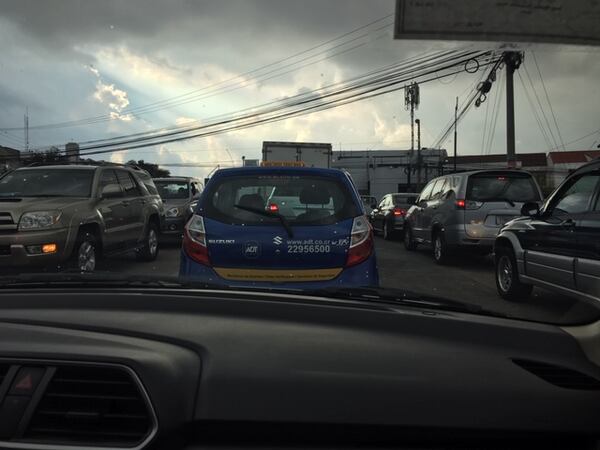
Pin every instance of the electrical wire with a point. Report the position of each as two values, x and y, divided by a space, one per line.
181 99
548 100
534 90
535 113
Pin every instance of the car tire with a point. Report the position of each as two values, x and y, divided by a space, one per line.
149 250
85 254
441 253
507 277
409 241
388 234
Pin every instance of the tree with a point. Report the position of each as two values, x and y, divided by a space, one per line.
153 169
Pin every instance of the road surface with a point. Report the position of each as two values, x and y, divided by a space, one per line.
469 279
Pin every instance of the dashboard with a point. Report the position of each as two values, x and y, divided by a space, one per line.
188 369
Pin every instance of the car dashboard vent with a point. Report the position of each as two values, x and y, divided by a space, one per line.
560 376
91 406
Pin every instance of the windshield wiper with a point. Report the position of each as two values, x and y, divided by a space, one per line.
261 212
402 298
498 199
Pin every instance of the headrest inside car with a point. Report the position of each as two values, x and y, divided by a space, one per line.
314 195
254 201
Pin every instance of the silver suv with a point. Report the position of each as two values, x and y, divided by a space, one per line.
467 210
180 196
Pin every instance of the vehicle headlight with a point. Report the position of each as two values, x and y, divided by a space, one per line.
172 212
39 219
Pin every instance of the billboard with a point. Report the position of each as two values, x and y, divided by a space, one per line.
508 21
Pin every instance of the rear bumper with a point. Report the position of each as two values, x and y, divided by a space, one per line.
14 254
361 275
456 236
398 223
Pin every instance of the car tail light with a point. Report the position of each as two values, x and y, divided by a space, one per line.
194 240
399 212
460 204
361 241
273 207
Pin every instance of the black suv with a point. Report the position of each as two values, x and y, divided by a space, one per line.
556 246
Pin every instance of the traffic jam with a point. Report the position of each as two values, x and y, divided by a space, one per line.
294 222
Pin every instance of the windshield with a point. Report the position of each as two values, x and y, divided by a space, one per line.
418 147
169 190
47 183
502 187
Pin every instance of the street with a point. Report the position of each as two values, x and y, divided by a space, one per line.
469 279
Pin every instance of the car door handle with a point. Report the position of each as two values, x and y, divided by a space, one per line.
569 224
125 203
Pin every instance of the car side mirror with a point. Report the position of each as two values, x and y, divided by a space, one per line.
375 211
422 204
530 209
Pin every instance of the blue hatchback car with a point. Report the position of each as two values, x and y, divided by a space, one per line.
290 227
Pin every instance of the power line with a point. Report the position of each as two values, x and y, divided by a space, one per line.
391 78
391 87
534 90
548 100
181 99
535 113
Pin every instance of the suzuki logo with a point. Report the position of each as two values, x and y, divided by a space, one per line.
277 240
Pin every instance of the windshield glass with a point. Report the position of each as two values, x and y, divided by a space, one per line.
301 200
502 187
169 190
419 148
47 183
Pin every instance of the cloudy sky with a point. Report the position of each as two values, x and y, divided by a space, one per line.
96 62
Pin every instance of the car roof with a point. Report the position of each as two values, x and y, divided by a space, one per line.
281 171
59 167
174 179
592 165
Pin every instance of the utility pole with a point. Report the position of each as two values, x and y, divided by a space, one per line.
513 61
26 128
419 160
411 102
455 131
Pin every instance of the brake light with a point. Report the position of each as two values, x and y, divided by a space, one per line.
194 240
460 204
361 241
399 212
273 207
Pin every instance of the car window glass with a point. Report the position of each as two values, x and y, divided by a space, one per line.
307 200
427 191
47 183
438 188
383 203
126 181
109 184
576 196
488 187
147 180
403 199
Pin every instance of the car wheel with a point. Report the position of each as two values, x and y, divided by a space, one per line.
441 254
388 234
85 254
149 249
409 242
507 277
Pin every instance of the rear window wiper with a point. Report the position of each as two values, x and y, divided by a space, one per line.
402 298
261 212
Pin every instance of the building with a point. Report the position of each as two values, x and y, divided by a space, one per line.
563 163
379 172
72 151
9 158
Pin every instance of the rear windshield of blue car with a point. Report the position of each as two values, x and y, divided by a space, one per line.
315 200
501 186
